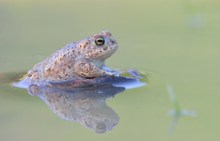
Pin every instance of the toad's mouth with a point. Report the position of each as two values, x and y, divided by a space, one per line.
106 54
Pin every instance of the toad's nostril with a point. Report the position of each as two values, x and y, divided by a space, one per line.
112 42
105 48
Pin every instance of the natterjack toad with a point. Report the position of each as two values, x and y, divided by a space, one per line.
80 60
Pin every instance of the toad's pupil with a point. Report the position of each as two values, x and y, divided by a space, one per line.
100 41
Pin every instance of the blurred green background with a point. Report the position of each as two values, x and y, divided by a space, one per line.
174 41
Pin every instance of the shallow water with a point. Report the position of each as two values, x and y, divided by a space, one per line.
85 103
175 42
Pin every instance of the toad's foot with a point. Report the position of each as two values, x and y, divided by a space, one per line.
111 72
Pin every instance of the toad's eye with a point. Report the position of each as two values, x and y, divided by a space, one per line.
100 41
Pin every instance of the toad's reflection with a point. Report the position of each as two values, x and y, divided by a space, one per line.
86 104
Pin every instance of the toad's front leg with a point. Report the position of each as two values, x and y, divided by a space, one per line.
110 71
90 70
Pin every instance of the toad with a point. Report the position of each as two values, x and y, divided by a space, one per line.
82 59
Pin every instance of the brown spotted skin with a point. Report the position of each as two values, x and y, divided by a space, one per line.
81 59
